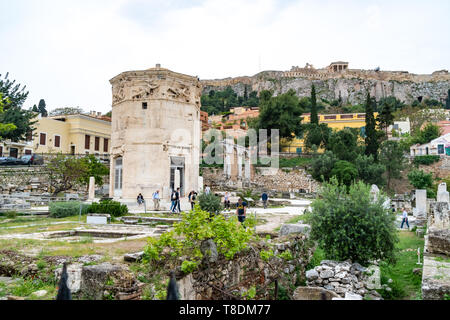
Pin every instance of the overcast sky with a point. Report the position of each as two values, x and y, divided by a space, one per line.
66 51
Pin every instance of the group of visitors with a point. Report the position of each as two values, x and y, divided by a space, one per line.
156 200
241 206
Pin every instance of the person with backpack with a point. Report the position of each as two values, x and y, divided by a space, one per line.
192 198
264 198
241 210
140 199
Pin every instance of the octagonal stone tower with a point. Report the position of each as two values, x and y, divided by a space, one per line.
155 141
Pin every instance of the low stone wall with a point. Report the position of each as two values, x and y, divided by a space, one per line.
32 180
223 279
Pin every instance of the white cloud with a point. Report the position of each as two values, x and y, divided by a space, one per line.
66 51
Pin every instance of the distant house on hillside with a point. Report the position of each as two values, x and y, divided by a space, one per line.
438 146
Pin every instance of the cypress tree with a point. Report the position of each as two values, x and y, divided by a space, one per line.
371 139
42 109
314 116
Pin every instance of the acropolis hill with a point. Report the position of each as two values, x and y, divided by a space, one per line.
338 80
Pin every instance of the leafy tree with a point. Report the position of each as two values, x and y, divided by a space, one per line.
369 171
418 115
394 103
66 111
352 225
42 109
65 173
385 117
371 139
13 97
22 120
12 92
391 156
305 104
282 112
420 180
109 114
432 103
5 128
317 134
428 133
35 109
345 172
94 168
314 116
344 144
323 165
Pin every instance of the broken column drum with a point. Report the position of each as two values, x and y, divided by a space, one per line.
155 137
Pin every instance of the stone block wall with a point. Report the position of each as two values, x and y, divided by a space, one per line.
32 180
224 279
278 180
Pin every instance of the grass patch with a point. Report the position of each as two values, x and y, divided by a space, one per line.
406 285
440 259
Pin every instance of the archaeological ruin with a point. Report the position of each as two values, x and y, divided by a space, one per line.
155 133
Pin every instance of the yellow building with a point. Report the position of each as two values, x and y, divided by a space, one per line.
334 121
73 134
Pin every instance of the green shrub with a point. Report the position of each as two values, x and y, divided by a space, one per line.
64 209
351 225
210 203
11 214
187 236
114 208
345 172
426 160
420 180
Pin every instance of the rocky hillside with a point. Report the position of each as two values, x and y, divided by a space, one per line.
350 85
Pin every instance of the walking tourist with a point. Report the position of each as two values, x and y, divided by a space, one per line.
140 199
173 198
405 218
241 210
156 200
192 198
264 198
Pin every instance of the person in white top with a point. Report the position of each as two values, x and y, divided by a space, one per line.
156 200
227 200
207 190
405 218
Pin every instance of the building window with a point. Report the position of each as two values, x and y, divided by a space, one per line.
330 117
42 139
87 142
144 105
97 144
346 116
29 136
440 149
105 145
28 151
57 142
1 151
